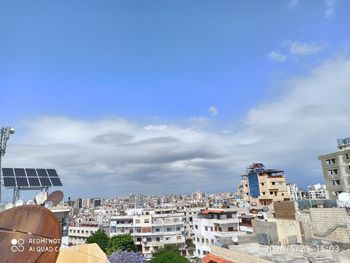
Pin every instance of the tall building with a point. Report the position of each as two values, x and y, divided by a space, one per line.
336 169
261 186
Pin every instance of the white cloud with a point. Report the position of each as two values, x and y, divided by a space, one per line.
305 48
330 8
277 56
118 156
293 4
213 110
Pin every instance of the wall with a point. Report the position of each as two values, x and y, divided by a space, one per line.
235 256
325 219
288 232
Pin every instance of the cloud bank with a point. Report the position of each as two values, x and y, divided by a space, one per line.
117 156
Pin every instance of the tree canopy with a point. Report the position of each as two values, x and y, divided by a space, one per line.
100 238
121 243
168 254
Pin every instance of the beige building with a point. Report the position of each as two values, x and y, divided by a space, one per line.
260 186
336 169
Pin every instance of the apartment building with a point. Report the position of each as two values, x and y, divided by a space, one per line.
293 191
317 191
78 235
261 186
336 169
151 228
212 224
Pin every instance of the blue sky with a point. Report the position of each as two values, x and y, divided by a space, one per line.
163 63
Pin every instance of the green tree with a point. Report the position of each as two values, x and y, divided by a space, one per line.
121 243
100 238
169 257
168 254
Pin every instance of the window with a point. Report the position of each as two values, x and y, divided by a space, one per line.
178 237
206 228
207 241
262 183
137 221
336 182
198 239
168 229
273 183
263 193
178 228
202 240
211 228
157 239
146 221
271 193
230 229
157 229
196 226
347 156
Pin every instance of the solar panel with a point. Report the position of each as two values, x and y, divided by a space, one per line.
52 173
9 182
41 172
45 181
7 172
56 181
32 177
19 172
21 181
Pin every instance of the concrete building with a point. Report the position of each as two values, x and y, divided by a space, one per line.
336 169
77 235
260 186
293 191
152 228
211 225
317 191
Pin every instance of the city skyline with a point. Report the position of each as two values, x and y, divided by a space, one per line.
173 97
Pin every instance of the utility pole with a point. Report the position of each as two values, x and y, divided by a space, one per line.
4 136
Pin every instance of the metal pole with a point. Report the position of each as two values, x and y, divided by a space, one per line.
4 136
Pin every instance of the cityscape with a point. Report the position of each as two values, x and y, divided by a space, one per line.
175 131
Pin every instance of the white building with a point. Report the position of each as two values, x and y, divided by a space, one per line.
78 235
317 191
294 191
211 225
151 228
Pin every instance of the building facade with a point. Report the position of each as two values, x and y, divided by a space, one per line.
336 169
152 228
260 186
211 225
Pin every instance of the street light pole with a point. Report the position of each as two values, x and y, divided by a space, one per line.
4 136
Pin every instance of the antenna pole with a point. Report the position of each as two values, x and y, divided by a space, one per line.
4 136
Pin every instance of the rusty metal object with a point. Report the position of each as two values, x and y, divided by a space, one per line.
29 233
55 197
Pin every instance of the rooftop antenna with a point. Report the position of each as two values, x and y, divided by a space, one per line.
40 198
4 136
55 197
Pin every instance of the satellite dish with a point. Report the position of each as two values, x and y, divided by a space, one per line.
55 197
19 203
344 197
8 206
30 202
48 204
235 239
254 203
40 198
